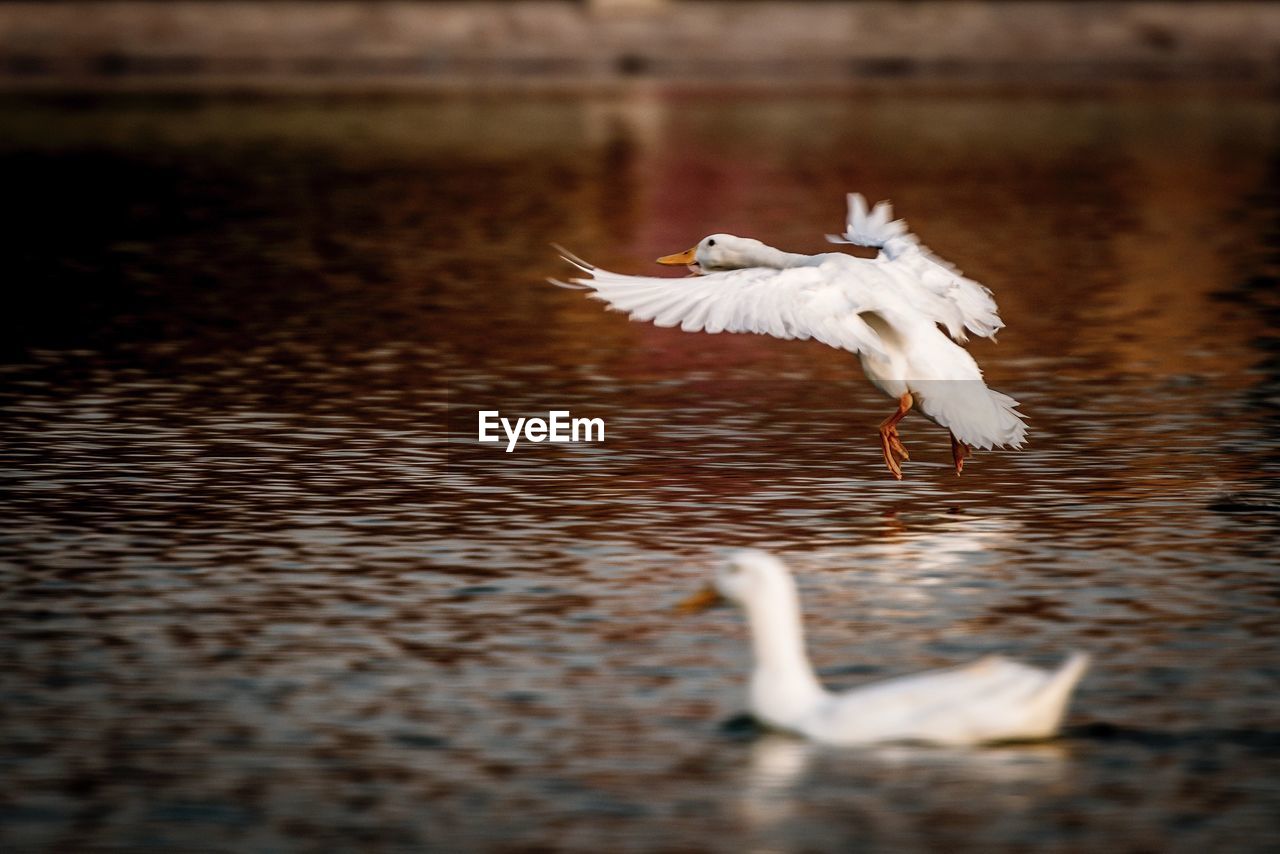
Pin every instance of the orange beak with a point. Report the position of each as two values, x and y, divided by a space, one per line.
705 598
680 259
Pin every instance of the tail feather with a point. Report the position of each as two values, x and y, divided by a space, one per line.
1011 429
1055 697
978 416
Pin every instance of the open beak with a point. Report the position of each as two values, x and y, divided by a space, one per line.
707 597
680 259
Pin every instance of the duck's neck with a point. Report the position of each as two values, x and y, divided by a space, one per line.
783 686
767 256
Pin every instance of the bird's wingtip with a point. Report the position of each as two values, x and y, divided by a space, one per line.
571 286
584 266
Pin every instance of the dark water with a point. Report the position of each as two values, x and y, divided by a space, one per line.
263 590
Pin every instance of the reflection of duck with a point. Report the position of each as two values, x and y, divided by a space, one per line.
783 774
925 543
885 309
992 699
778 764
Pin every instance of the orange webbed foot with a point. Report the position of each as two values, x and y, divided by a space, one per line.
890 444
959 453
892 449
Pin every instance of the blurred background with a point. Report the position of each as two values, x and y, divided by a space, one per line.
330 44
262 590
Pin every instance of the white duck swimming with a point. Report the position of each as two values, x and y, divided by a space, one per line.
992 699
886 310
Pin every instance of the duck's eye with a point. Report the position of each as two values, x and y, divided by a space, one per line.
711 243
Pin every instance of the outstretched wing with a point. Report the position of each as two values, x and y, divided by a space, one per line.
797 302
940 290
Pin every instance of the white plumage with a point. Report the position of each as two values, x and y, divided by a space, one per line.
887 310
992 699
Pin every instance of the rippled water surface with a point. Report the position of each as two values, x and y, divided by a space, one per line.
263 590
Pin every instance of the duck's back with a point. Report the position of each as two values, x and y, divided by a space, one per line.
993 699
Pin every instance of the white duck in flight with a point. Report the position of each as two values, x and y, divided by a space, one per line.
992 699
886 309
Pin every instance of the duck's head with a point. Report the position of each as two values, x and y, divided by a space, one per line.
748 576
722 252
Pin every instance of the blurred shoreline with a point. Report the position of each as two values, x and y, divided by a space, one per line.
336 46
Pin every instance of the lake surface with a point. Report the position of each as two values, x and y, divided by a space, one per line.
263 590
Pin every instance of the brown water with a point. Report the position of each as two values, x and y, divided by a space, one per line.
263 590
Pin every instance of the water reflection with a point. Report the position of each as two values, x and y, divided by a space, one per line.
262 586
779 765
776 765
792 791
